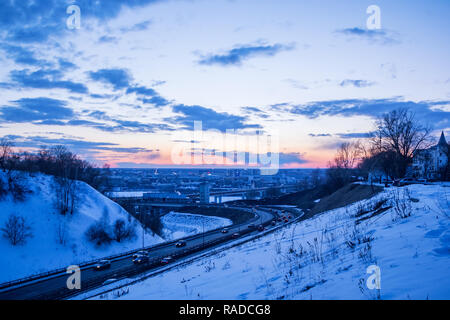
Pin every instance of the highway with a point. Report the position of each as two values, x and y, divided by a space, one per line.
54 286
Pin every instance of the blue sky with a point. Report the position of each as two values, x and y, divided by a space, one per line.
127 85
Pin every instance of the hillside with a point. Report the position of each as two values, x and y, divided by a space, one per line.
44 251
179 225
405 232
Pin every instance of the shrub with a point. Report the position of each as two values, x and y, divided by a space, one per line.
122 231
98 233
402 204
16 230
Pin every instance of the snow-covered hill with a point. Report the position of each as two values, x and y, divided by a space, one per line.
179 225
403 231
43 251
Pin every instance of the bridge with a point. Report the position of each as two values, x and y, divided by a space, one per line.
261 192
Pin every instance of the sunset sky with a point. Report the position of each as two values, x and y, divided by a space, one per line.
126 87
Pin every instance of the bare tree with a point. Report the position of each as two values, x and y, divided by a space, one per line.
348 158
16 230
348 155
5 153
65 179
400 132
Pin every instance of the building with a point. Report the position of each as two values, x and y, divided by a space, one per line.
430 163
204 192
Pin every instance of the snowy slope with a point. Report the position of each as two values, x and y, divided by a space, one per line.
316 259
42 252
179 225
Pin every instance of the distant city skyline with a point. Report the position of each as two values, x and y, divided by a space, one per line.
126 87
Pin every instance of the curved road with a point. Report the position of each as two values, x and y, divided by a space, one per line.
54 287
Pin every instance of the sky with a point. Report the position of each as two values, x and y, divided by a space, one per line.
127 82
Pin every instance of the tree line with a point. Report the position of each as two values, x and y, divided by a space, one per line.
390 150
58 161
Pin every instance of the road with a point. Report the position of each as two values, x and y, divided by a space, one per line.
55 287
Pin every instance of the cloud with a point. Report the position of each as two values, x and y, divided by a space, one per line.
141 90
36 109
77 145
156 101
148 96
319 135
373 36
118 78
137 27
255 112
433 112
107 39
240 53
45 79
66 64
355 135
291 158
34 21
21 55
356 83
210 118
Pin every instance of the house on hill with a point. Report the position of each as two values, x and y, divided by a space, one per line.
432 163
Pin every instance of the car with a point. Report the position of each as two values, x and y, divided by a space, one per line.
224 230
289 217
280 219
166 260
180 244
141 259
140 253
235 235
261 228
251 226
286 220
102 265
274 222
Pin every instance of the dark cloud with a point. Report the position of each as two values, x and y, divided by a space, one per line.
74 144
210 119
36 109
355 135
34 21
432 112
45 79
237 55
117 78
148 96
